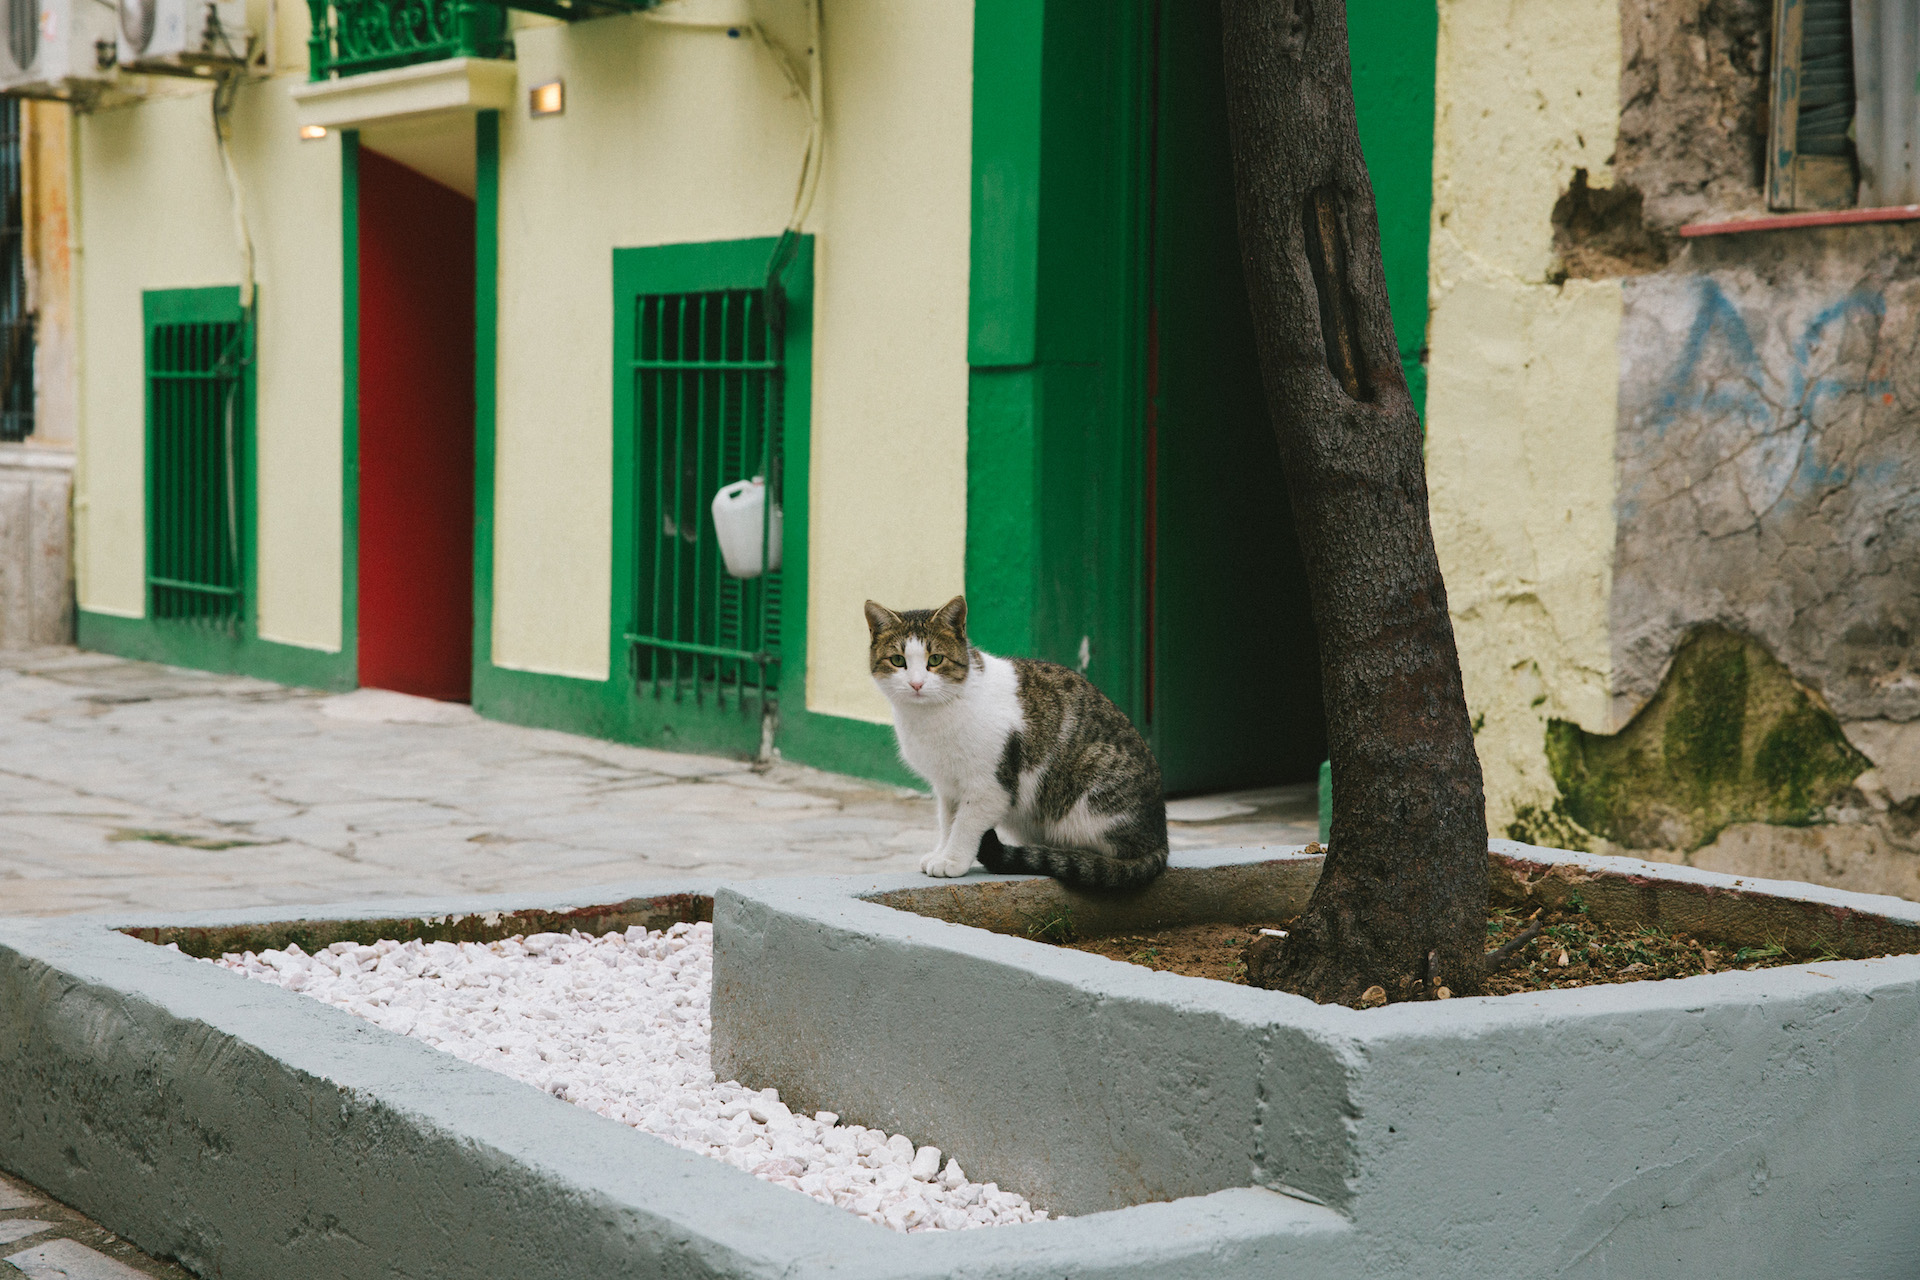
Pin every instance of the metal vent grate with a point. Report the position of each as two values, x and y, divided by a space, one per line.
194 432
1826 79
707 389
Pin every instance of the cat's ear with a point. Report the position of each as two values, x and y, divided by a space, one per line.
953 614
879 618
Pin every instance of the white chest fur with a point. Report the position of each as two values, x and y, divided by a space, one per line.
957 745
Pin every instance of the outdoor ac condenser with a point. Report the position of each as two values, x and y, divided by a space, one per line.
56 49
182 37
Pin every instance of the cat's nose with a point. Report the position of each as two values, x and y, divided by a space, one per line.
916 684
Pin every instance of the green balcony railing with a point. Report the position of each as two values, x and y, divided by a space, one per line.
353 37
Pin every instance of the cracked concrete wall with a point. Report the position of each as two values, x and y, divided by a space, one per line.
1634 435
1768 483
1520 404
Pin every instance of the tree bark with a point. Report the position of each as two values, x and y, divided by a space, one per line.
1402 900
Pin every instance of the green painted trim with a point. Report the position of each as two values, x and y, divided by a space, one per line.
1325 794
1395 48
350 402
186 645
486 337
1005 253
1057 341
844 745
1003 507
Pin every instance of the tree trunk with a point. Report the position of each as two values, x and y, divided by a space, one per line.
1402 901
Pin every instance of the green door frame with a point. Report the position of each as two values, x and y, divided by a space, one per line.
1056 337
1057 309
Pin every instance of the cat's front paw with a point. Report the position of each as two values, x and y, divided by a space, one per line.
939 863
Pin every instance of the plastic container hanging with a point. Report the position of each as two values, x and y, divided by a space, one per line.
738 512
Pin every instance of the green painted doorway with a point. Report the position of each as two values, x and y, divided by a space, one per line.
1233 667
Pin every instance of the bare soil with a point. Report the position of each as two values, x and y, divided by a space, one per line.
1571 950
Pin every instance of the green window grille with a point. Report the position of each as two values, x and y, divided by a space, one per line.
196 419
707 386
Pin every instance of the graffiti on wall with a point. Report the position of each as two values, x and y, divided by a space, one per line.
1769 476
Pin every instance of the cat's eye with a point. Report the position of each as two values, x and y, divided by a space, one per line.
897 660
934 660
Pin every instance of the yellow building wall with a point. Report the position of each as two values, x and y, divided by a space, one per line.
1523 377
675 134
153 212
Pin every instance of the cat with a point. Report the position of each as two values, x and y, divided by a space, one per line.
1032 768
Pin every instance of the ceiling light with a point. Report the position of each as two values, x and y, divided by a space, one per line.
312 132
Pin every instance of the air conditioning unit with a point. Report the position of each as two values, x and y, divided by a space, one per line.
182 37
56 49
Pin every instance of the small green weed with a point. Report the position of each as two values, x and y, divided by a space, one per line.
1054 925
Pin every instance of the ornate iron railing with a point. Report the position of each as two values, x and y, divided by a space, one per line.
353 37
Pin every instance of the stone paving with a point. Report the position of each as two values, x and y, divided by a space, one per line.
42 1239
130 785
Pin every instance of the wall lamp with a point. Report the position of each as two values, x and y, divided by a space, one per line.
549 99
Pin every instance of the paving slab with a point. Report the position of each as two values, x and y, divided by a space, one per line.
130 784
42 1239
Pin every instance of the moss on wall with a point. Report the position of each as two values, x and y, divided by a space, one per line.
1729 737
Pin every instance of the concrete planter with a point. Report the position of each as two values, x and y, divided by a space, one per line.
1736 1124
254 1134
1751 1124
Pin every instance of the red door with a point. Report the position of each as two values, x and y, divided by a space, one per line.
416 432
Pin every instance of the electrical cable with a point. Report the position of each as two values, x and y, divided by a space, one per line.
225 89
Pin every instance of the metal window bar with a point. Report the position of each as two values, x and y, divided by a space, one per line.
194 376
707 397
16 321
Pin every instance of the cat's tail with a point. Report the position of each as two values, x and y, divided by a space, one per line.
1082 868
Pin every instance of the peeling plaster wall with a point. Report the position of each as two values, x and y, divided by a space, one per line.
1768 475
1521 400
1769 483
1693 107
1683 433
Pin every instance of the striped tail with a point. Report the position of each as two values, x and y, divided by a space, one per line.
1082 868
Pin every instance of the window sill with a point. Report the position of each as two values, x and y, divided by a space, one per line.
1787 221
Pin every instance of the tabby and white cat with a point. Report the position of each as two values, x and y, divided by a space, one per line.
1024 746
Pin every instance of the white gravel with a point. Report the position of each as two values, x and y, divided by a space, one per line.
619 1024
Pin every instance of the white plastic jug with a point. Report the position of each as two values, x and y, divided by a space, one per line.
738 511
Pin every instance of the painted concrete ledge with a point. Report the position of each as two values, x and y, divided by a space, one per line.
250 1132
1738 1124
450 86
